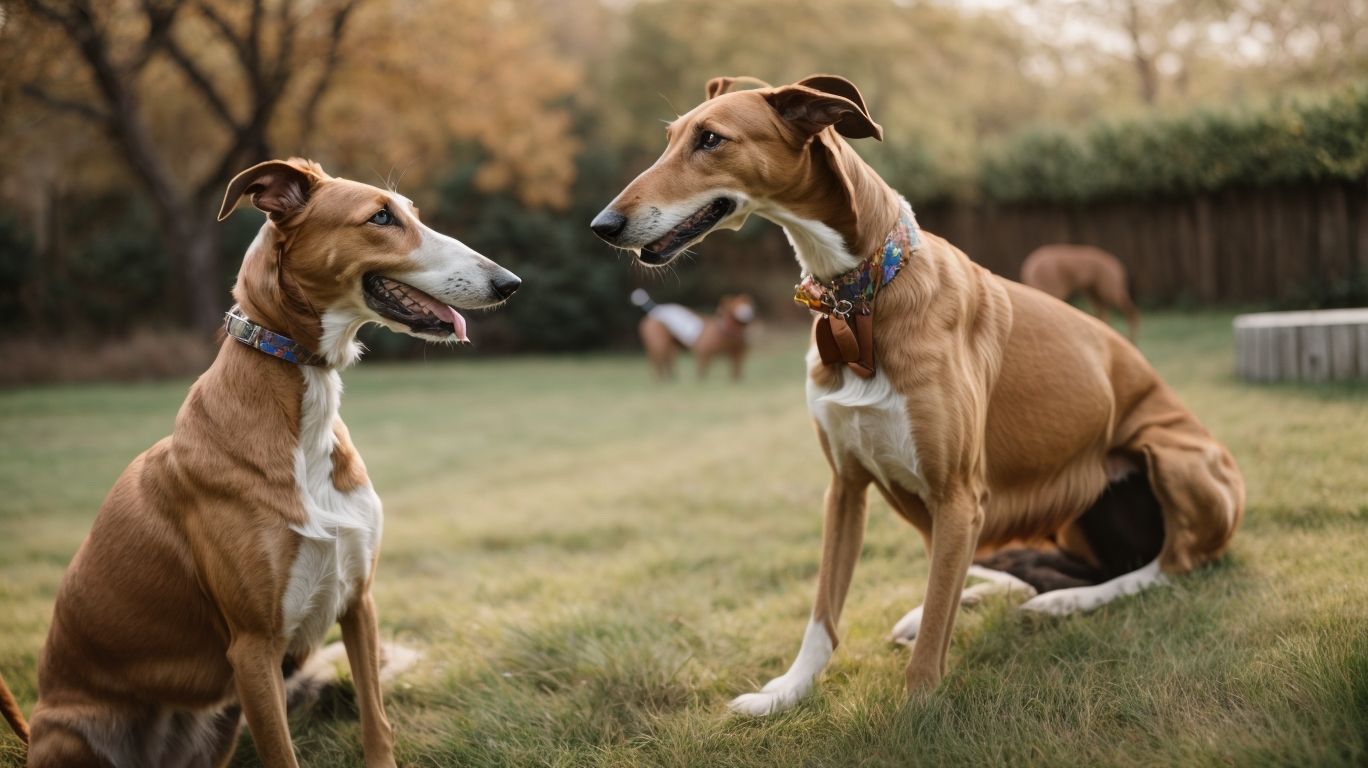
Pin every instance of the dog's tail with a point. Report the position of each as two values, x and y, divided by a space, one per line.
10 709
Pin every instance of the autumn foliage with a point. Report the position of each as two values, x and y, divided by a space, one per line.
511 121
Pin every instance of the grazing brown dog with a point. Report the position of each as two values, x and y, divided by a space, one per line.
1064 271
667 328
230 547
987 413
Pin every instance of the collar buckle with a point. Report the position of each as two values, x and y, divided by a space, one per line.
237 326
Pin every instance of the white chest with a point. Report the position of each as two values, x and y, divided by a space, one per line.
342 531
866 421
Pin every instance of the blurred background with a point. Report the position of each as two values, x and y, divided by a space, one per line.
1218 147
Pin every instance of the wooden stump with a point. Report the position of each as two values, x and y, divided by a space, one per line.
1302 346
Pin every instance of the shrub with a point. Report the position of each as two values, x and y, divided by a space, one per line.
1206 150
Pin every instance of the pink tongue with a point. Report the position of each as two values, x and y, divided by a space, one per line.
457 322
446 313
452 316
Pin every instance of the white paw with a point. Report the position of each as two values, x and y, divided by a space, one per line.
1081 599
779 694
905 631
1058 603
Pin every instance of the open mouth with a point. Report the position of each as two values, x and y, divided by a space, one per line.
418 311
667 247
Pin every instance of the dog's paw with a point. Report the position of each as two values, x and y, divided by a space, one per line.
905 631
779 694
1057 603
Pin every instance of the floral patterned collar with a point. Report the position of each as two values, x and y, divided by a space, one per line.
854 291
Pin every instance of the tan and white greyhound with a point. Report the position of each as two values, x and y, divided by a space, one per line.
230 547
991 414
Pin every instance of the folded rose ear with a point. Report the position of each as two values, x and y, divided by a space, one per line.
822 101
277 187
836 86
720 85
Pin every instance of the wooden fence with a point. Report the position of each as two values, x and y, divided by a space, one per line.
1286 245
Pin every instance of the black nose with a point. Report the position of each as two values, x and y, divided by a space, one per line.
608 224
506 286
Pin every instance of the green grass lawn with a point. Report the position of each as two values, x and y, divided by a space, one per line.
593 565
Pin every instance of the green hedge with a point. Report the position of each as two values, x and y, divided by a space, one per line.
1206 150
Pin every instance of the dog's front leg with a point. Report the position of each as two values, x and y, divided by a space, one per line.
956 522
362 639
842 536
261 690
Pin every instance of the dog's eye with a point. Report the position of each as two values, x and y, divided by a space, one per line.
709 140
383 217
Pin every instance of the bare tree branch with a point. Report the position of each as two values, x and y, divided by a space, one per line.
69 106
330 63
309 113
1144 65
244 47
254 36
160 18
250 139
50 13
124 121
288 24
202 83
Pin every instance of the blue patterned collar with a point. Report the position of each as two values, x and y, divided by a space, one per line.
236 324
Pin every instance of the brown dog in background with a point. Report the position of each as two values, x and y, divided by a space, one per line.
1064 270
667 328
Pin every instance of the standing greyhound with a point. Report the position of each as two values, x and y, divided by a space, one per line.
1065 270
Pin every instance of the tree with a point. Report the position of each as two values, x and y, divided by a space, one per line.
119 44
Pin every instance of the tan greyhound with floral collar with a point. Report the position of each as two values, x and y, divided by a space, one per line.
1000 422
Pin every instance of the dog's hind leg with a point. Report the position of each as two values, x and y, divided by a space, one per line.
842 536
1200 490
1112 288
1110 551
56 744
227 727
994 583
1098 304
1081 599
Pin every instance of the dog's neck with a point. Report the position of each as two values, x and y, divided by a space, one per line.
841 211
253 404
270 298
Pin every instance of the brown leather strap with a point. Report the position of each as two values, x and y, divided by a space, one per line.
826 343
848 341
844 336
863 364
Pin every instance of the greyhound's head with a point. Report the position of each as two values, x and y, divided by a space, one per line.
337 254
771 151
